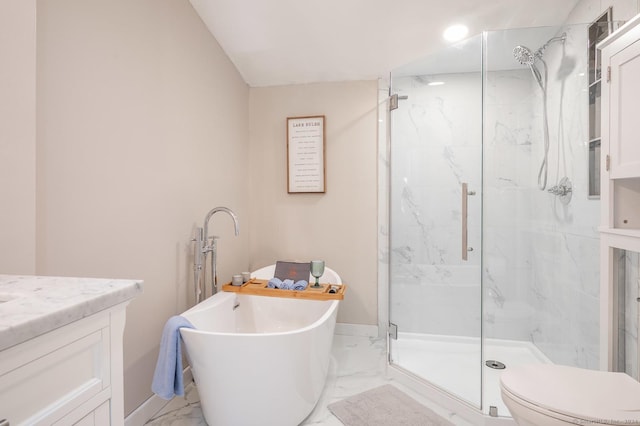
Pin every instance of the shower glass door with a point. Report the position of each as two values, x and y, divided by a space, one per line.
435 219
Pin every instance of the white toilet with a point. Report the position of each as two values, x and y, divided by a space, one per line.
549 394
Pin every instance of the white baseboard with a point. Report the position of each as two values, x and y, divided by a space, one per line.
145 412
148 409
356 329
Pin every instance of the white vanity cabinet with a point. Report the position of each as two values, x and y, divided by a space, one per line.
69 375
61 348
620 200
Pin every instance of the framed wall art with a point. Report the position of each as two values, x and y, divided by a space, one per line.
305 154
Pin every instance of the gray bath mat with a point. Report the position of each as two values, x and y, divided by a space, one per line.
384 406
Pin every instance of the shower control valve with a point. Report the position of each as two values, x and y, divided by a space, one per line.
563 190
559 190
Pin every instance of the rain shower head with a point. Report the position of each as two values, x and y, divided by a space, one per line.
524 55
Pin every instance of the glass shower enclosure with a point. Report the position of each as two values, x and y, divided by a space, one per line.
493 241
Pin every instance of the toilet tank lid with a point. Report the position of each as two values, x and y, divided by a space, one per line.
598 396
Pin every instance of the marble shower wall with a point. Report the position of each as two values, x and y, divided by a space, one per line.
539 268
512 108
564 288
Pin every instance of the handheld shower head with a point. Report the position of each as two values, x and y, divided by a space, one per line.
528 57
524 55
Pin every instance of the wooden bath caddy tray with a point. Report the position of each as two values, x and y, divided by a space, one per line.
259 287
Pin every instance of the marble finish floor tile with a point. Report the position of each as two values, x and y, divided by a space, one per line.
357 364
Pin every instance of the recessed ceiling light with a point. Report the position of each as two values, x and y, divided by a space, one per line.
436 83
455 32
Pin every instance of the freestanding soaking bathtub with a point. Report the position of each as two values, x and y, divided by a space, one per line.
260 360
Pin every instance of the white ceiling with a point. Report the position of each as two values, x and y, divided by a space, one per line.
280 42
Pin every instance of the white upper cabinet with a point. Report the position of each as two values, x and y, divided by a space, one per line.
624 113
620 182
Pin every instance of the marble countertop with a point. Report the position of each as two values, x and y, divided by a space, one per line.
34 305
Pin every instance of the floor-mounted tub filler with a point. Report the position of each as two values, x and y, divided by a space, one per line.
260 360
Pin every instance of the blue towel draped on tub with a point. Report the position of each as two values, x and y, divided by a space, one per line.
167 379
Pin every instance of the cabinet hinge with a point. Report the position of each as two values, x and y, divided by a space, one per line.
607 162
608 74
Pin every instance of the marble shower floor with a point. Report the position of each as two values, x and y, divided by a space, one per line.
357 364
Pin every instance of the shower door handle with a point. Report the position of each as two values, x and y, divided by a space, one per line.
465 213
465 194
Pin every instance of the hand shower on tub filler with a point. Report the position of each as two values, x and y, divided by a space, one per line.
203 248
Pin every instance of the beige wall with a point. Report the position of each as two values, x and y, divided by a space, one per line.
142 129
338 226
17 136
138 137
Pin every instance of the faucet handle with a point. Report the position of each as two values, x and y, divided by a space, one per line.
563 190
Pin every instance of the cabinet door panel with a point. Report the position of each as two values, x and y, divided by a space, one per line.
42 390
625 122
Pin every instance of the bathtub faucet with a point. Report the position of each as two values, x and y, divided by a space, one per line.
206 245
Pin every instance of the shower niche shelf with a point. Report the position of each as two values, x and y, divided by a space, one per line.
598 31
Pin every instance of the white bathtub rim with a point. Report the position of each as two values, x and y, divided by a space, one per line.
333 306
217 298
